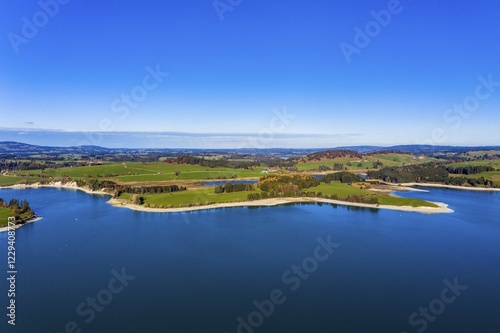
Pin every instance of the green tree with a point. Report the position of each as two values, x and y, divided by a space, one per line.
135 199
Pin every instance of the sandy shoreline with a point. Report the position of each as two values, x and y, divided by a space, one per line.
454 187
67 186
391 188
442 207
17 226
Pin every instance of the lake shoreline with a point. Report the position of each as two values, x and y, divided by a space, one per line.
17 226
453 187
442 207
57 185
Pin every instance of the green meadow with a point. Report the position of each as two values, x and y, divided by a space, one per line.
151 172
188 198
206 196
345 190
7 180
5 213
493 163
397 201
493 175
144 172
390 159
11 180
479 153
340 189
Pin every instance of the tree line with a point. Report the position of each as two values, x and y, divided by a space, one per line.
329 154
423 173
36 165
474 182
470 169
336 167
269 183
298 185
283 186
411 173
96 184
18 207
213 163
343 177
230 188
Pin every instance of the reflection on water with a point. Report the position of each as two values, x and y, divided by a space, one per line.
202 275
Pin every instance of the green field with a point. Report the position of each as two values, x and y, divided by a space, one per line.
397 201
344 190
340 189
479 153
493 175
206 196
161 171
314 165
493 163
8 180
366 163
199 197
143 172
5 213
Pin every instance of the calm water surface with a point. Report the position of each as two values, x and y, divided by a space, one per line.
201 271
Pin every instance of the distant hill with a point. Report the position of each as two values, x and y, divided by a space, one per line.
333 154
362 149
418 149
12 148
18 148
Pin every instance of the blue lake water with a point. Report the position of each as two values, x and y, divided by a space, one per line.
201 271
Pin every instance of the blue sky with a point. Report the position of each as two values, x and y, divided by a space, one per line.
265 57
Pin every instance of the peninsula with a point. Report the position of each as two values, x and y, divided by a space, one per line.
175 181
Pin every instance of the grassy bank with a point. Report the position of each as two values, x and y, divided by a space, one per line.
189 198
5 213
207 196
